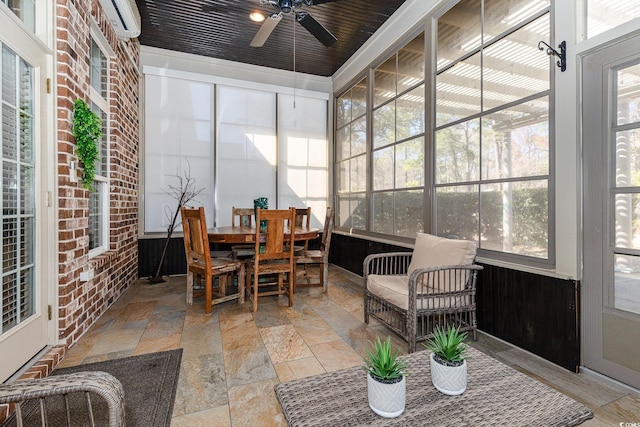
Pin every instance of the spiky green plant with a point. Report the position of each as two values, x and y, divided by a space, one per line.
382 363
448 345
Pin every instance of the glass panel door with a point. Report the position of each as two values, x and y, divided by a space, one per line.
611 279
17 193
23 324
626 140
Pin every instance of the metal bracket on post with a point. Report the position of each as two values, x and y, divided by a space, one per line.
562 62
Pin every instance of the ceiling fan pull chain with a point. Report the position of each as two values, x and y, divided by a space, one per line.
294 62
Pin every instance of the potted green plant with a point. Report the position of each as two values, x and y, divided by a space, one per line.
87 131
386 383
447 360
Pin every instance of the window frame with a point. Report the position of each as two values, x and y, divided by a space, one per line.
28 18
429 26
398 141
366 153
584 15
549 261
101 182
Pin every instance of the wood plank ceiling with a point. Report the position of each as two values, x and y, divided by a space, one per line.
222 29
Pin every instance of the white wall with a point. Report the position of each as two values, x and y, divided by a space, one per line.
178 61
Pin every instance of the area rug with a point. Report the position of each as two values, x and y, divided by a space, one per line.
149 382
496 395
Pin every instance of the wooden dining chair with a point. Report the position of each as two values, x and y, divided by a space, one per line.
319 257
244 217
273 256
199 261
303 219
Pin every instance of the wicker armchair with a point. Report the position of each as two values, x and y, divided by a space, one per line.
52 400
410 295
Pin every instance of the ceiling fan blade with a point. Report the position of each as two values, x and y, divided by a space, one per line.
313 2
316 29
265 30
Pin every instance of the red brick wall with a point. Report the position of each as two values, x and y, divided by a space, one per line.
81 303
40 369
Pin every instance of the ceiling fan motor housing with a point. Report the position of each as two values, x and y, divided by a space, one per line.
287 6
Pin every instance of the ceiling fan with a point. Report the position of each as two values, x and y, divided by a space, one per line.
286 7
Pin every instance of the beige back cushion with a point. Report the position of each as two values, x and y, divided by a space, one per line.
434 251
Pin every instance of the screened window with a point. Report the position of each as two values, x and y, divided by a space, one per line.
351 160
482 172
491 160
18 198
98 197
599 16
398 142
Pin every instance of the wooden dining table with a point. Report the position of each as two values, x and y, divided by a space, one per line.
242 234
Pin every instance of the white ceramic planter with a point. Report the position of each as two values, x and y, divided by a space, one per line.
387 400
451 380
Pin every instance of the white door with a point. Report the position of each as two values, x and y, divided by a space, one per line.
611 188
23 311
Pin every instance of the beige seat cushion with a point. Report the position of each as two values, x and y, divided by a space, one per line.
395 289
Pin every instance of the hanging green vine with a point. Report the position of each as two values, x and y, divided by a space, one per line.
87 131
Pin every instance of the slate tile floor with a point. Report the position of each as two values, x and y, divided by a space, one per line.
232 357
